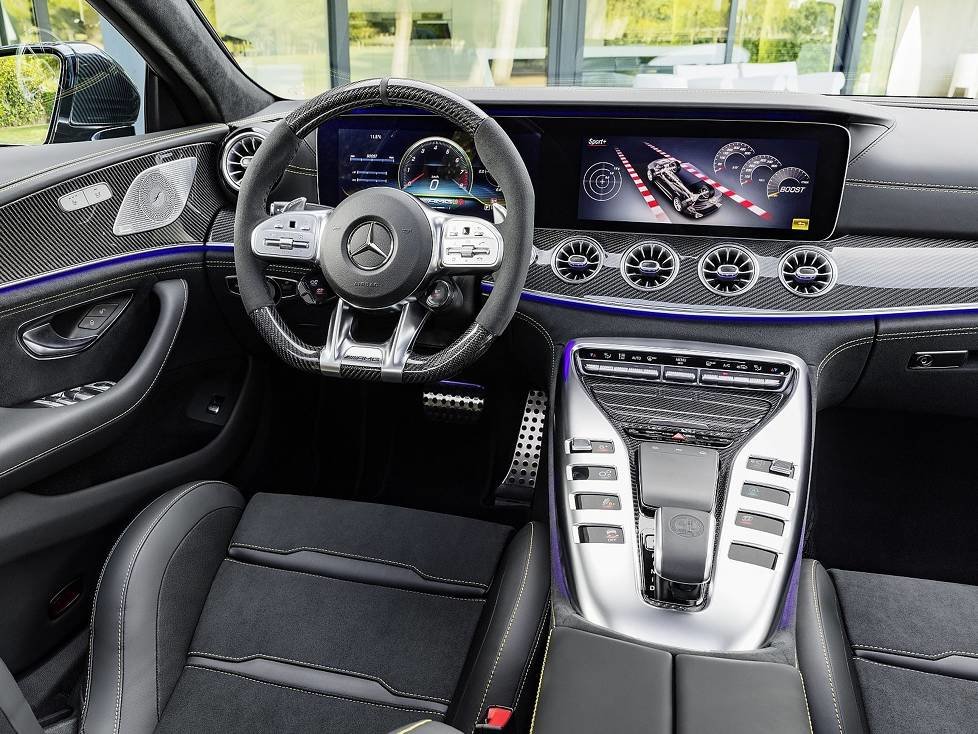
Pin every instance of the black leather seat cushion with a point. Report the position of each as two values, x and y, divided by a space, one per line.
888 653
326 615
438 549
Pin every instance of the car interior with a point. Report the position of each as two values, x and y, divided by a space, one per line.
427 400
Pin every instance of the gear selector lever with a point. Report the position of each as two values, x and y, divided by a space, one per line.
679 483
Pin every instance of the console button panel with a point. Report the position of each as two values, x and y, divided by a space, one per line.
765 494
584 472
688 396
588 446
685 369
752 554
763 523
609 534
589 501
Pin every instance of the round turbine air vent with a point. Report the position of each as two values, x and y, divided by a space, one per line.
728 270
577 259
807 271
238 152
649 266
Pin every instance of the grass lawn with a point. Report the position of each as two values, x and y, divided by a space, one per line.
23 135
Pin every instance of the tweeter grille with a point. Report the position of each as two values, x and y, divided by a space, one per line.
156 197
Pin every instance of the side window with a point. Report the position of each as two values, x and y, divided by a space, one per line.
66 75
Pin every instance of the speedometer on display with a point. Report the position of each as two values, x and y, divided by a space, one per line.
759 169
435 167
790 180
731 157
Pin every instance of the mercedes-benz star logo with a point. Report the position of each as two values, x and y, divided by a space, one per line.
370 246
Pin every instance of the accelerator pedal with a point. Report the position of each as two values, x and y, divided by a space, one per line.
521 479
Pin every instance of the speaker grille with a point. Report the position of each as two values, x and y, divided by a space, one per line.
156 197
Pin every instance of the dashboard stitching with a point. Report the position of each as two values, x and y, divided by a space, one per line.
913 183
913 187
839 350
901 336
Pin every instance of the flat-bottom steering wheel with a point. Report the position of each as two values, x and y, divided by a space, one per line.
381 248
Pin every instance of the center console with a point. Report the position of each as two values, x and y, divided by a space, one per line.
683 473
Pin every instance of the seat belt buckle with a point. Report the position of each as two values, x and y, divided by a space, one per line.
496 719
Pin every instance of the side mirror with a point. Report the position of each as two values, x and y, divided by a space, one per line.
63 93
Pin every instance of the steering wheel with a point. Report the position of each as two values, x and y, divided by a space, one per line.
381 249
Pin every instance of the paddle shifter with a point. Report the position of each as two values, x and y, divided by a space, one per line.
679 483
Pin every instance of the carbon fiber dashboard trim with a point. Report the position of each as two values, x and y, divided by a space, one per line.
38 237
876 275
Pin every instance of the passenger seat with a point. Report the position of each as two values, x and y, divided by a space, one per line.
887 654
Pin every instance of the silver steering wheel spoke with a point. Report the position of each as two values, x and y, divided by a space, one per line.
342 350
466 245
291 235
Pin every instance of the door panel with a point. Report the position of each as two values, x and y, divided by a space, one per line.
182 390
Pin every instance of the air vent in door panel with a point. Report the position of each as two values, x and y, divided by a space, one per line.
577 259
728 270
239 150
807 271
649 266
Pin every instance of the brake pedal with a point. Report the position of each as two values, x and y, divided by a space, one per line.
521 479
454 402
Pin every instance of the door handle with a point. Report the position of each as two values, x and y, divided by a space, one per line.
44 341
73 330
37 443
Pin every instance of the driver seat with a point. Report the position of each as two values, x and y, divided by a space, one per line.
307 614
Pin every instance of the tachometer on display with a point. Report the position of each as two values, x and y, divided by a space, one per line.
435 167
790 180
731 157
759 169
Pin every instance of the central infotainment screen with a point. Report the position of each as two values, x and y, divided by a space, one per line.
738 182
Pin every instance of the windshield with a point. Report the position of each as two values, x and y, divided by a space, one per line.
897 48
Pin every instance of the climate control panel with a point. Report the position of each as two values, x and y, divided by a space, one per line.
685 369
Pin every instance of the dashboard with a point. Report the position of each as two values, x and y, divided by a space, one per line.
699 208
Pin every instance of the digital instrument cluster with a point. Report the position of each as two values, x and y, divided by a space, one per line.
442 171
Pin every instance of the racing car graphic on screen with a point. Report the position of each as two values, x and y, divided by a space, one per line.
689 196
